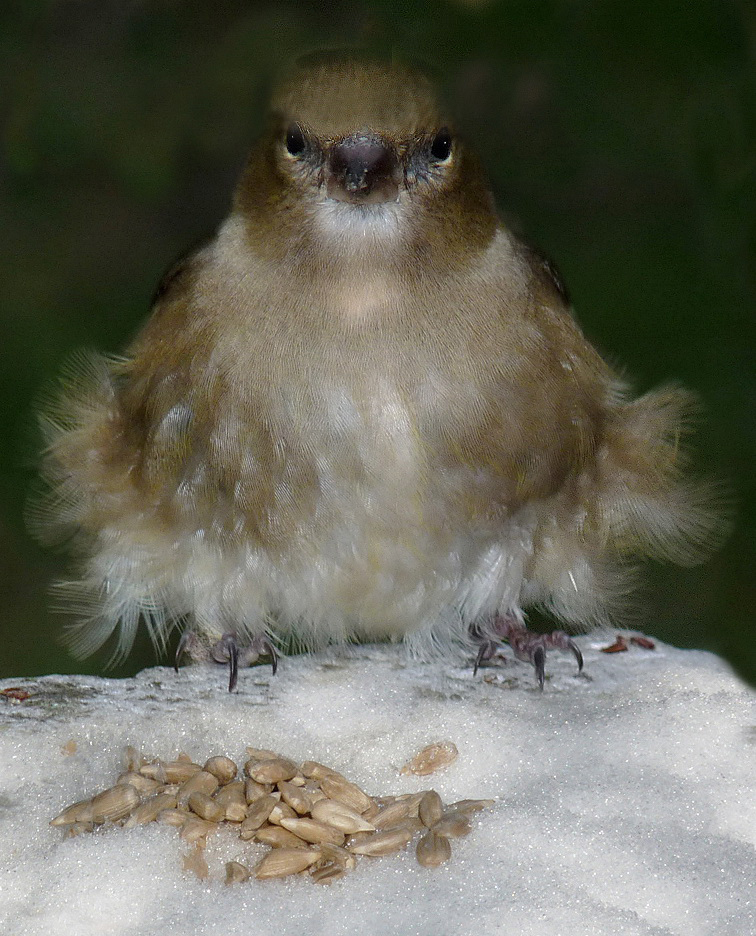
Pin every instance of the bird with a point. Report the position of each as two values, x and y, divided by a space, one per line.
364 411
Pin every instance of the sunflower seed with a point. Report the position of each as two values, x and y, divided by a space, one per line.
277 837
257 814
206 807
295 797
339 788
141 783
382 843
281 862
313 831
432 850
261 754
221 767
327 874
149 809
452 825
76 812
177 771
341 817
201 782
391 815
430 809
315 771
271 771
281 811
236 872
114 803
468 806
196 830
339 855
132 759
173 817
231 798
431 758
195 862
253 790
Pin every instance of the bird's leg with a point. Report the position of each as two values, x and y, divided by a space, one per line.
227 650
526 645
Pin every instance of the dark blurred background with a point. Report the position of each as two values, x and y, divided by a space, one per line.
619 137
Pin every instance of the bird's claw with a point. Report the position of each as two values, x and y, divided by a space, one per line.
228 651
527 646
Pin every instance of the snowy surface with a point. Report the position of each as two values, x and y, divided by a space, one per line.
625 798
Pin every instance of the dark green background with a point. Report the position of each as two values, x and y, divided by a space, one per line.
619 137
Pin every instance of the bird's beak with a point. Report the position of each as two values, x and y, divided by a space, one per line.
362 170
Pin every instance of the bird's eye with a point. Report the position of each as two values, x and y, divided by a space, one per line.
441 145
295 140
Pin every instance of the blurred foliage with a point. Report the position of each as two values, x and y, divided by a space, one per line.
619 137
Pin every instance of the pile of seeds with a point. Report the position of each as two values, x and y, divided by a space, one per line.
314 820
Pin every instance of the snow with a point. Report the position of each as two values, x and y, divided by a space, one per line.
625 798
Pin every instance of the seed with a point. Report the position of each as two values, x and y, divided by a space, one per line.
372 811
341 817
196 830
231 798
339 788
452 825
277 837
430 809
313 831
315 771
413 801
468 806
141 783
338 855
236 872
284 861
76 812
177 771
432 850
195 862
281 811
206 807
257 814
383 843
431 758
253 790
261 753
173 817
295 797
149 809
327 874
221 767
271 771
392 814
114 803
201 782
132 759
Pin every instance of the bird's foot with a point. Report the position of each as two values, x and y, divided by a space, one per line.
526 645
227 651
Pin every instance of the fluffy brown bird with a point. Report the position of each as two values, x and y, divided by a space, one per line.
362 412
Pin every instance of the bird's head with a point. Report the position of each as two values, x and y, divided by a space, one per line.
361 158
